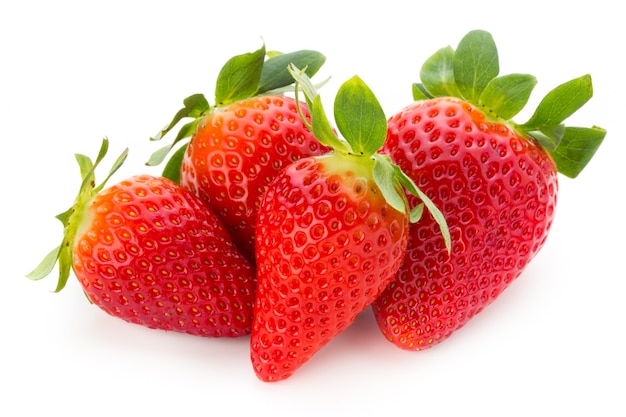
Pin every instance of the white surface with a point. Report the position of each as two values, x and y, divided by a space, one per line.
73 72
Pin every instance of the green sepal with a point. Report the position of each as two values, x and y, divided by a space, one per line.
45 266
420 93
239 77
507 95
242 76
432 208
188 130
560 103
322 130
474 74
416 213
194 106
172 168
355 102
85 165
475 64
275 75
577 147
303 83
437 75
384 173
548 136
319 125
71 218
360 117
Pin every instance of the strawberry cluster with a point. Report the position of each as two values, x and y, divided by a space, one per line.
271 222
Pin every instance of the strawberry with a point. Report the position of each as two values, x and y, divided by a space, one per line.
331 234
150 252
495 180
238 145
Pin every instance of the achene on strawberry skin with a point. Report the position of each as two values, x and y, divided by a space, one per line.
150 252
494 180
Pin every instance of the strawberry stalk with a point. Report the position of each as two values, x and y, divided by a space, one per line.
73 217
362 123
471 72
242 76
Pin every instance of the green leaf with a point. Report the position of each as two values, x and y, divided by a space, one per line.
560 103
420 93
303 82
87 170
65 216
84 163
172 168
104 148
46 266
576 149
437 74
239 77
322 130
360 117
415 215
188 130
65 264
384 177
194 106
507 95
275 74
549 136
320 125
159 155
475 64
272 54
116 165
434 211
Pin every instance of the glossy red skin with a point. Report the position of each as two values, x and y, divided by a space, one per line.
498 193
151 253
327 246
237 151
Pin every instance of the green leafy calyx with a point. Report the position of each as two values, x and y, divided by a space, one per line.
242 76
362 128
471 73
73 218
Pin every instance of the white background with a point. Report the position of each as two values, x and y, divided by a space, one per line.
73 72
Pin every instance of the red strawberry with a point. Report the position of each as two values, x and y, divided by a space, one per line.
241 143
331 234
237 151
495 181
149 252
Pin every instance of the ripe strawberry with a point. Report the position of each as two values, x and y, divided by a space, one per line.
149 252
240 144
495 181
331 234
